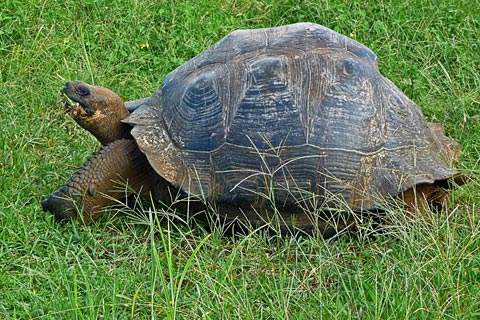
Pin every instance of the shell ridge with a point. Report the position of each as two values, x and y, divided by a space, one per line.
293 107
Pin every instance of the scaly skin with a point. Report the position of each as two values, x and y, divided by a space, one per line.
112 173
103 178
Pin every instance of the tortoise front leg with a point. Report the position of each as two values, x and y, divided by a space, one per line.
100 181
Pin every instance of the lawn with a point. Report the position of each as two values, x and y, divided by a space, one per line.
138 266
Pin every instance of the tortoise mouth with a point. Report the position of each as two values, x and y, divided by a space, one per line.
75 107
68 103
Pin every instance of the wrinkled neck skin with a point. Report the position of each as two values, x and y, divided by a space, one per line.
107 126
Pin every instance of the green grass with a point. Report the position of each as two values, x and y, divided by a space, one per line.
133 268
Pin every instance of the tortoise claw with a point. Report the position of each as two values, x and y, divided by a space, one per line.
61 207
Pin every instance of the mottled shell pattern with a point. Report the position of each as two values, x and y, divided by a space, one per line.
291 114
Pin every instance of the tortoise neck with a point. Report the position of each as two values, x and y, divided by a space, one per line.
111 128
117 132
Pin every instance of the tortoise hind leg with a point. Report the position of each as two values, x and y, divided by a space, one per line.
101 181
425 196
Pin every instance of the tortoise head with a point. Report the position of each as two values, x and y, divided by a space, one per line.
96 109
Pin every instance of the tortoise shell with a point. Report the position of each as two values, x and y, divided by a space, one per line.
289 115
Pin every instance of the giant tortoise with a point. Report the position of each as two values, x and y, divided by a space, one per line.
293 124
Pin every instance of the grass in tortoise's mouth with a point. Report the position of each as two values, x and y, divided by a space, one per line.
76 108
69 104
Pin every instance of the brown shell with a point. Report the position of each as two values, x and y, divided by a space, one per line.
293 114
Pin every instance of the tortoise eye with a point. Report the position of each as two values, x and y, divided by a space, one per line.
82 92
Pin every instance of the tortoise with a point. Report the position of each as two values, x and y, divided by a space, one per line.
293 123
